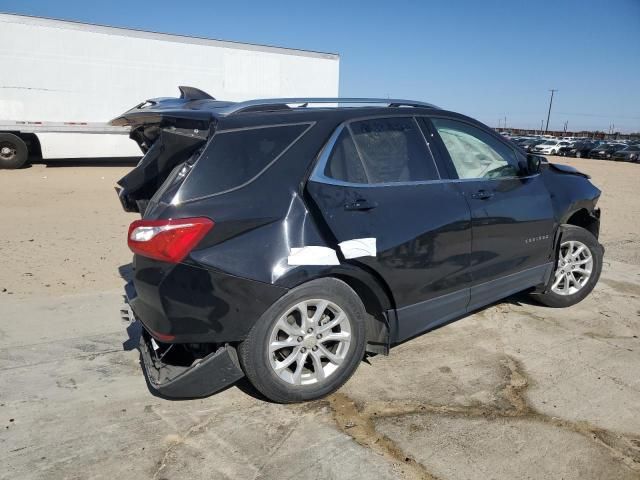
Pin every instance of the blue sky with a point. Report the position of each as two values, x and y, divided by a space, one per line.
485 58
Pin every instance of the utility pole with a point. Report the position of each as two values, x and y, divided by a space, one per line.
553 90
505 122
541 125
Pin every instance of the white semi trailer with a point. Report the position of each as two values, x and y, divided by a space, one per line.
63 81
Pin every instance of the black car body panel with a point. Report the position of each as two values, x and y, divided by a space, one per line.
443 247
567 169
189 303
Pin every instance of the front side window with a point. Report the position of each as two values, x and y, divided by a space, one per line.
381 150
475 153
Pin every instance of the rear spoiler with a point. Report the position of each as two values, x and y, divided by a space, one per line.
192 93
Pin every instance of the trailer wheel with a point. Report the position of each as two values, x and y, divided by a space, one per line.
13 151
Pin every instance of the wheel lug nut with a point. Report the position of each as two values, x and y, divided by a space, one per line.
300 339
314 348
319 336
303 349
309 330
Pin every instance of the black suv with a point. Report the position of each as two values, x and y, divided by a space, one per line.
285 242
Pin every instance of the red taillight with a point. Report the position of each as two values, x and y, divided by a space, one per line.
167 240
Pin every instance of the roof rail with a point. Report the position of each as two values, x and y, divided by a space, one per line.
280 103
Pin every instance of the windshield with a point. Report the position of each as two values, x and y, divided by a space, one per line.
549 142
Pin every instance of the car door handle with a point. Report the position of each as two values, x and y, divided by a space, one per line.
482 195
360 204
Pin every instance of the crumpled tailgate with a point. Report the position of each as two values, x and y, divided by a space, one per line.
169 131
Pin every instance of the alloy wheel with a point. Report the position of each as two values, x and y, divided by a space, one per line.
575 264
309 342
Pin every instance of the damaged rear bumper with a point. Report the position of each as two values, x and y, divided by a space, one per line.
200 378
204 377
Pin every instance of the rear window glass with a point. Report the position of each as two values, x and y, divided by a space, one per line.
382 150
235 158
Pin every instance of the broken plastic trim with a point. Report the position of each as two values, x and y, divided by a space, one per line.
204 377
171 147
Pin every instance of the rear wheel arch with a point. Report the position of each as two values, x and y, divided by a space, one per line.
373 292
376 302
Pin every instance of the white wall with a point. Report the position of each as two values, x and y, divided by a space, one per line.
60 71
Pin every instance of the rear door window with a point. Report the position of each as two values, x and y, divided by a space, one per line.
236 157
379 151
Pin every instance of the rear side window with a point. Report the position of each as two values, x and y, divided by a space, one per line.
382 150
235 158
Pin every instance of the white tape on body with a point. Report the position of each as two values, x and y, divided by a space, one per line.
313 255
358 247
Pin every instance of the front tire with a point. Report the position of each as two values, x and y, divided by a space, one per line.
307 344
577 269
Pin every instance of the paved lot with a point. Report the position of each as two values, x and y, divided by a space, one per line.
514 391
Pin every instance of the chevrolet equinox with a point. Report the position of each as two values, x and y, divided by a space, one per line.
285 239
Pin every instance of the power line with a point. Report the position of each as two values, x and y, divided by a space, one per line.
553 90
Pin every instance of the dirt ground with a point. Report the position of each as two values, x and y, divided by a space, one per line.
514 391
66 231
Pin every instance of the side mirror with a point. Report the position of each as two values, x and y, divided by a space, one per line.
533 164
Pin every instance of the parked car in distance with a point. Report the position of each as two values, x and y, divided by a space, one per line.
580 149
550 147
564 149
630 153
286 243
605 150
529 145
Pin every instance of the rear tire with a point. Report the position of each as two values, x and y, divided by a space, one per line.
13 151
290 358
577 269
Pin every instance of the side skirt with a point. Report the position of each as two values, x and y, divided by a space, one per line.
412 320
420 317
489 292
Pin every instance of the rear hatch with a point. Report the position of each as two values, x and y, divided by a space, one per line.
171 132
